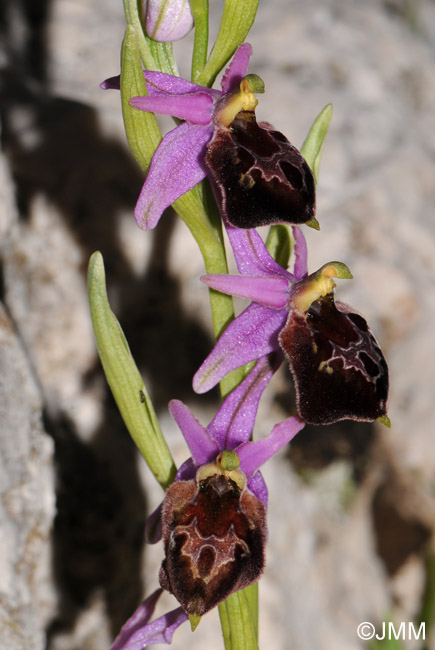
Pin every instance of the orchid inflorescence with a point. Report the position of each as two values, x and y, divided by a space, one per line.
213 517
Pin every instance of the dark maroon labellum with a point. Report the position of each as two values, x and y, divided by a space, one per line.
214 536
261 178
339 370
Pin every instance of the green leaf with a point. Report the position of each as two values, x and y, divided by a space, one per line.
125 380
141 128
237 19
313 145
238 627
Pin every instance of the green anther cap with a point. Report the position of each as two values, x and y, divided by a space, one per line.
229 460
252 83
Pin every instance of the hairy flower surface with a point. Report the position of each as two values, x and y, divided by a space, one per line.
213 515
337 365
259 177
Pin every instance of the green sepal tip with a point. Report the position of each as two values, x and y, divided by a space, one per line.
194 620
385 420
313 223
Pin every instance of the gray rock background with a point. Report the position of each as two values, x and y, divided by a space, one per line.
352 507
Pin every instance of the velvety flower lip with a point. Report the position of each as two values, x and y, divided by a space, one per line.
337 365
178 163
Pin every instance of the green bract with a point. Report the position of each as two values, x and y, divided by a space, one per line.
125 380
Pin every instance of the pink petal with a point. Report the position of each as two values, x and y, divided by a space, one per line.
160 82
234 422
186 471
257 485
250 336
269 291
237 68
112 83
200 442
300 269
196 108
254 454
137 633
176 167
251 254
153 526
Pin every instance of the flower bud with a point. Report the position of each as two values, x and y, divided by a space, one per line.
167 20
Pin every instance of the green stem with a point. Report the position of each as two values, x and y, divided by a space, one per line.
199 56
238 625
206 228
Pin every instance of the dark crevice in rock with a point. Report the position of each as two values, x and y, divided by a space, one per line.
400 529
98 532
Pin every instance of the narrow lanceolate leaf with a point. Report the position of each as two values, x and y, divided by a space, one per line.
141 128
313 145
238 627
125 380
237 19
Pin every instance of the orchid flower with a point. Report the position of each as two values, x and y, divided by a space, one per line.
337 366
213 515
258 176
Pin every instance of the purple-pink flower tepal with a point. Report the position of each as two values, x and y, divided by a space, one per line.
259 177
337 366
214 514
